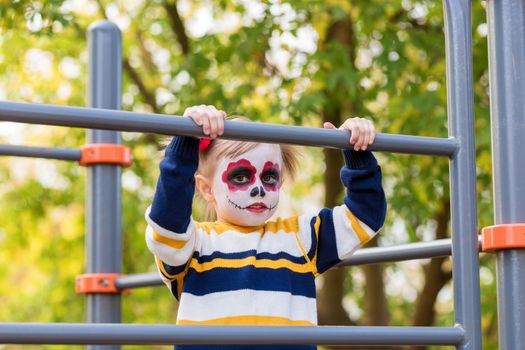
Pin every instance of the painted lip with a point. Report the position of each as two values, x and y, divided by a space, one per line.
258 207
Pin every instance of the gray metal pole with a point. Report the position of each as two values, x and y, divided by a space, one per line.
463 197
103 239
172 125
74 333
506 23
41 152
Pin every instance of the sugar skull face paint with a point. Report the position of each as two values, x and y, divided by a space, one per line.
271 176
246 188
239 175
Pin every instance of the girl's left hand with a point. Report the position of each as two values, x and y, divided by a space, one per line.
363 132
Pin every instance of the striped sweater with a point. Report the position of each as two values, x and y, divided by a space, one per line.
265 275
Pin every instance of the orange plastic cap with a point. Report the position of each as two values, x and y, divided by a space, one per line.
97 283
105 153
506 236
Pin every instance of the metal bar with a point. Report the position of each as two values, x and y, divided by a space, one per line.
248 131
104 237
41 152
71 333
401 252
139 280
506 36
463 199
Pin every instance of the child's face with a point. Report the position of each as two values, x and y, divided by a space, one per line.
246 188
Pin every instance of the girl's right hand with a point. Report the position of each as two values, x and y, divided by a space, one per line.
209 118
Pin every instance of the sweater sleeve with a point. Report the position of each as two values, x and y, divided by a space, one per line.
171 233
335 233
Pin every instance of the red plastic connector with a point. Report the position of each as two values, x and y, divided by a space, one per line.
105 153
97 283
506 236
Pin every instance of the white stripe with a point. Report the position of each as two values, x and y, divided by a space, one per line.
305 230
182 236
167 254
234 242
247 302
346 238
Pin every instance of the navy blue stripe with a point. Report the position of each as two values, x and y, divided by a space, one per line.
174 287
247 254
249 277
313 247
173 270
327 245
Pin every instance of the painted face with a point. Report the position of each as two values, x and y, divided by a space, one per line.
246 188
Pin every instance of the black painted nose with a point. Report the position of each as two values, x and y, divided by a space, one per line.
256 191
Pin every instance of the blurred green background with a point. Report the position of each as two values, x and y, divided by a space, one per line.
293 62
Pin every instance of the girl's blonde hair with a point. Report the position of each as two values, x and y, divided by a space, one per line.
220 148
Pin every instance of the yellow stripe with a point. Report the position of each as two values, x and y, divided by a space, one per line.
317 224
177 277
249 261
288 225
177 244
360 232
314 268
249 321
164 272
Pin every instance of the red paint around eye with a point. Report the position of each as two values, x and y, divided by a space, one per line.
275 168
241 163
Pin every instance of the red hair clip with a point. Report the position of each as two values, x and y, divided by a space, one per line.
204 144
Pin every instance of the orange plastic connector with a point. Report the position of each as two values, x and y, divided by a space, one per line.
105 153
97 283
507 236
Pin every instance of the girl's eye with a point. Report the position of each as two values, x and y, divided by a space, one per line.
240 179
270 179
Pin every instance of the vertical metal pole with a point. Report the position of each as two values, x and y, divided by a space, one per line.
506 22
103 239
463 197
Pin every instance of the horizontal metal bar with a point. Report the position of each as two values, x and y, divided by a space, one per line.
171 125
148 279
127 334
402 252
41 152
376 255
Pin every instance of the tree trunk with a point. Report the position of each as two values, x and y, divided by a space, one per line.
435 276
375 303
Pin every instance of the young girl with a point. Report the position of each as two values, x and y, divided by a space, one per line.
242 269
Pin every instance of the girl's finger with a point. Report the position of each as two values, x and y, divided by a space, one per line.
220 123
205 123
213 125
372 133
196 118
351 126
193 114
328 125
366 137
217 118
360 137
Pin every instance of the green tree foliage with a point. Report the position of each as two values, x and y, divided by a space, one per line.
280 62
